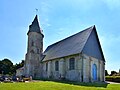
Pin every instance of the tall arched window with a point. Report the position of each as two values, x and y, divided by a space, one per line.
56 66
32 44
37 51
47 66
94 72
71 63
32 51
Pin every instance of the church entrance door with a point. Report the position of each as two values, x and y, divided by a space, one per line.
94 72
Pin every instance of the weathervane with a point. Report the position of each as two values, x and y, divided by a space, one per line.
36 11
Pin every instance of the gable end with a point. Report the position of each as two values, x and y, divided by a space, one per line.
93 47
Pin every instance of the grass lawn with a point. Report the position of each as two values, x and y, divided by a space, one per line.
50 85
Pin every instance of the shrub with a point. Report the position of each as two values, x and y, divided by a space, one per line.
113 78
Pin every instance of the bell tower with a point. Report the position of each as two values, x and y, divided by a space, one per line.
34 49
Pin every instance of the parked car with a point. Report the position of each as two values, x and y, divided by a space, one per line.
2 78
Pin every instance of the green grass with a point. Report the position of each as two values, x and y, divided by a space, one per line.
51 85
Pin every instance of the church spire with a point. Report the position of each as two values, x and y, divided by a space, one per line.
34 27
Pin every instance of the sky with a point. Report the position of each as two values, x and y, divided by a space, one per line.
58 20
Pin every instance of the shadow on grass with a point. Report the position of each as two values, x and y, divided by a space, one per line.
95 84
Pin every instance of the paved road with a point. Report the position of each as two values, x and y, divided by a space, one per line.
112 82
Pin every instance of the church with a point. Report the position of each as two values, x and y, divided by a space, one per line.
76 58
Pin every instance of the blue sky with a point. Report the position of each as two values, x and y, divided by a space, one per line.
58 20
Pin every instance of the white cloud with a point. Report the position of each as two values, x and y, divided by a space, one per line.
44 8
44 13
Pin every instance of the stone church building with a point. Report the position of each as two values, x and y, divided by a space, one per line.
75 58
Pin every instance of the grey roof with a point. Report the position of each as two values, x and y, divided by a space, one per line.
34 27
68 46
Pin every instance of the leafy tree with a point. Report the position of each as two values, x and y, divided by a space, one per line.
113 73
106 73
6 66
21 64
17 66
0 67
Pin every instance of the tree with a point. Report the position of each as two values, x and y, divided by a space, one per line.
17 66
6 66
0 67
106 73
113 73
21 64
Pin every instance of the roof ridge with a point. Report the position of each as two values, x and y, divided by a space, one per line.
68 46
69 37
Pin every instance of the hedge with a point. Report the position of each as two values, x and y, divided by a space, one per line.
113 78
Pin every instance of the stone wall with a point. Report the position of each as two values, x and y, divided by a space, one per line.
35 41
64 72
87 69
82 72
73 75
34 51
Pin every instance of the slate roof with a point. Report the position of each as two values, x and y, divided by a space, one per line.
34 27
68 46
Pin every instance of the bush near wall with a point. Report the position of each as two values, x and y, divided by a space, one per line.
113 78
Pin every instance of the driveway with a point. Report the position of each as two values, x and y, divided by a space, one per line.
112 82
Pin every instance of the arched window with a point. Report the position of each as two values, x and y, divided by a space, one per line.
94 72
46 66
71 63
32 51
37 51
56 66
32 44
